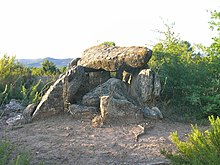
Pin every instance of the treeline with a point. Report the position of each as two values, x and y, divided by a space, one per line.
27 84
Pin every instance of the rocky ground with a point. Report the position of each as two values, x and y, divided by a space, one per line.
66 140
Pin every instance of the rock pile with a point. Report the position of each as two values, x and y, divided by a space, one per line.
112 81
12 113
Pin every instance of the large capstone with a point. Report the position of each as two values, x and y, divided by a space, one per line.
112 58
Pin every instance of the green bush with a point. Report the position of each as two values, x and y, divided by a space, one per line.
108 43
188 78
49 68
22 83
32 94
10 155
12 76
199 148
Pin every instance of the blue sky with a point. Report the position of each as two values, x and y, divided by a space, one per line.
64 28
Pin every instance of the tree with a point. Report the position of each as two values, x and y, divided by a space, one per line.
63 69
49 67
213 59
214 49
171 58
189 79
13 78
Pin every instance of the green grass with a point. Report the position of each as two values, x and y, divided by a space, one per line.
10 155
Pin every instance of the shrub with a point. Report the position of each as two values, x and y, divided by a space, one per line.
32 94
189 79
22 83
10 155
199 148
12 76
49 68
108 43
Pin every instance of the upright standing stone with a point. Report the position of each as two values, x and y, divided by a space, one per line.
115 110
28 112
145 87
75 79
52 102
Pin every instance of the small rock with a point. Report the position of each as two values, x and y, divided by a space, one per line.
28 112
152 113
97 121
12 114
157 112
82 111
67 128
14 106
16 120
117 110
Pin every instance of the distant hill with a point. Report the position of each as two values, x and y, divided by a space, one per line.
37 62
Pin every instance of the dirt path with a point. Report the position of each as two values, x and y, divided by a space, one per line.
68 141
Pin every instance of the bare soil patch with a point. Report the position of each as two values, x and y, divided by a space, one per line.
68 141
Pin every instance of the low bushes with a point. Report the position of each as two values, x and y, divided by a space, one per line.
10 155
200 148
22 83
189 79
